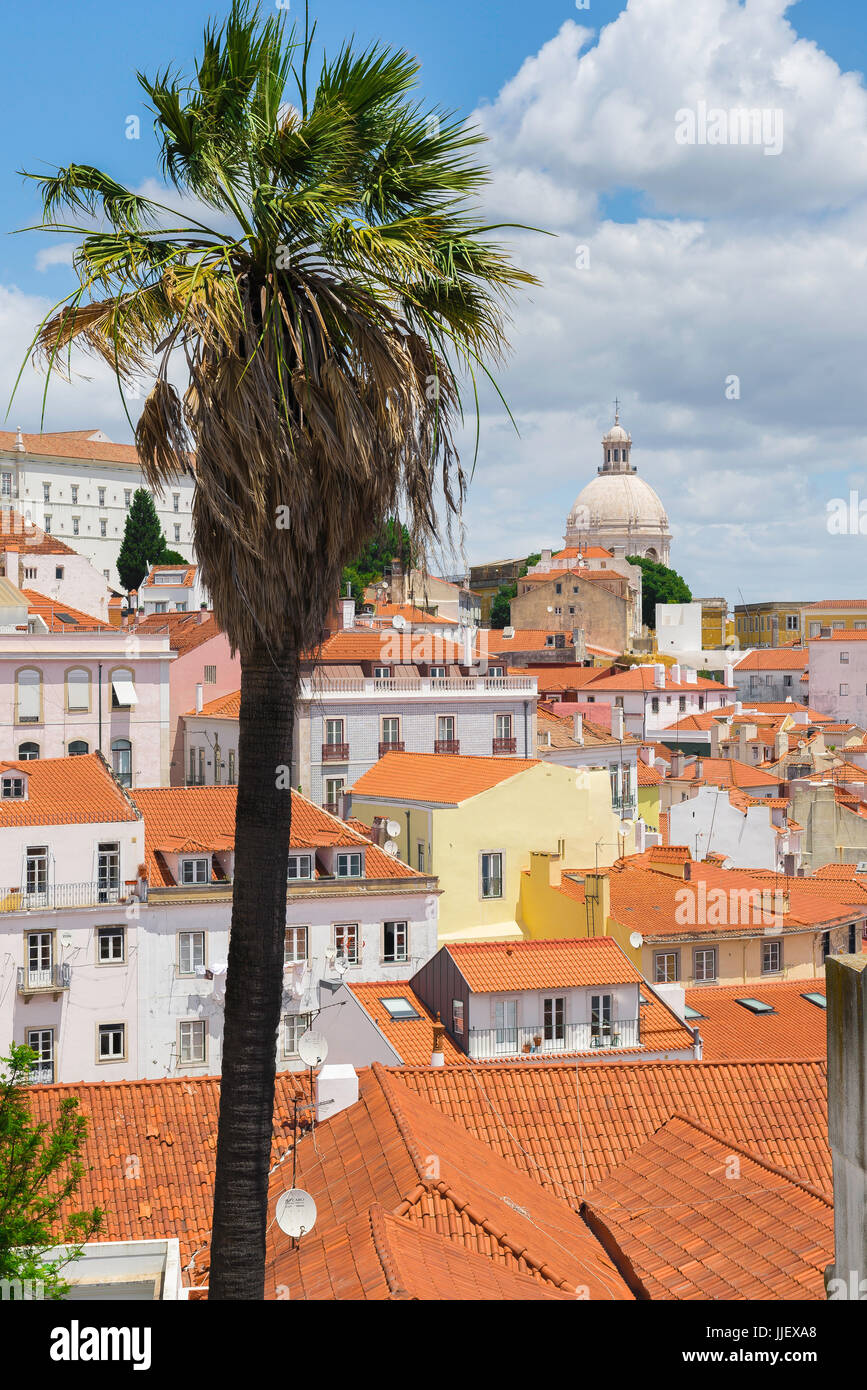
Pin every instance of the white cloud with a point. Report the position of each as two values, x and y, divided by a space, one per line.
58 254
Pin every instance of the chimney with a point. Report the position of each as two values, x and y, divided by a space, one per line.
676 764
675 673
336 1089
597 897
674 996
729 675
699 769
347 614
578 728
645 753
202 614
659 675
846 994
691 675
545 562
199 698
617 729
20 446
439 1031
739 708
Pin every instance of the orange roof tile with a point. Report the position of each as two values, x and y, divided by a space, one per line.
186 572
797 1028
838 603
71 444
444 779
411 613
527 639
531 1115
726 772
388 646
66 791
411 1038
682 1229
774 659
186 631
60 616
496 966
18 534
642 678
648 776
224 707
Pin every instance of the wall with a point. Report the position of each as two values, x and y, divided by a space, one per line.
708 821
187 672
603 615
828 673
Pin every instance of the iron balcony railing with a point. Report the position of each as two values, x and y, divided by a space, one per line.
391 746
505 745
335 752
42 1074
60 895
447 745
54 978
530 1040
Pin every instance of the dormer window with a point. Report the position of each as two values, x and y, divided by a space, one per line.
13 788
438 673
349 865
195 870
300 866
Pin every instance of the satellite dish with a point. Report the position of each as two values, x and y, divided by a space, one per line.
636 940
390 847
398 622
393 828
341 964
295 1212
312 1049
550 608
626 826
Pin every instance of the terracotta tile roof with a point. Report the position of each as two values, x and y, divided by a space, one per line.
224 707
495 966
837 603
531 1115
558 731
797 1028
557 676
185 630
642 678
187 575
71 444
648 776
589 552
685 1230
849 872
411 614
726 772
841 634
378 1153
411 1038
66 791
710 717
203 818
443 779
61 617
367 644
16 533
774 659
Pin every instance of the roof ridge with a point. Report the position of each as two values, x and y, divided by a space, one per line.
376 1216
740 1148
403 1125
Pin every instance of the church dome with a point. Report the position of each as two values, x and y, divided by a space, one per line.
617 435
617 508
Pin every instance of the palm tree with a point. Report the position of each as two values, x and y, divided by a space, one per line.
326 308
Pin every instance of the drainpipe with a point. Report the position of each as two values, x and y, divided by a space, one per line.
526 733
99 704
408 846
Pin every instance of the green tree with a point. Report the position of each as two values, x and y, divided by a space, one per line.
172 557
143 541
501 608
392 542
343 289
659 584
40 1171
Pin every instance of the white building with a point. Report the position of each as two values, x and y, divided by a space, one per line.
750 832
838 675
78 486
34 561
654 698
171 589
115 918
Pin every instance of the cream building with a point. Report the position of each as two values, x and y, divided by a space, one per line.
619 508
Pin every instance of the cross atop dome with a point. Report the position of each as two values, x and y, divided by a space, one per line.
617 410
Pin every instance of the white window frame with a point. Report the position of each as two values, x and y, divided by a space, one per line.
294 1028
351 856
187 944
296 946
347 942
400 948
107 1030
704 978
200 867
665 978
298 861
772 947
192 1039
491 854
111 933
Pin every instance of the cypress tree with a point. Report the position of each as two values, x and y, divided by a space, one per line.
143 541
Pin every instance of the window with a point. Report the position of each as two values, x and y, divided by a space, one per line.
121 760
46 492
690 1013
438 673
558 588
100 492
458 1016
76 526
12 788
755 1006
210 675
346 941
601 1025
77 747
28 751
176 501
29 702
844 657
47 524
177 533
109 945
191 951
394 942
496 670
6 484
772 957
192 1042
30 573
123 694
195 871
350 865
161 608
112 1042
334 790
40 958
36 870
792 622
654 704
492 874
704 966
554 1021
300 866
399 1008
103 526
665 967
391 729
127 497
41 1041
844 690
295 946
503 726
232 767
506 1024
701 702
381 672
445 728
681 703
419 856
77 689
73 493
192 775
294 1028
108 871
818 999
333 732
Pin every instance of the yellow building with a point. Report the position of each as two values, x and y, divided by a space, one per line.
685 923
649 783
473 822
769 624
714 622
821 618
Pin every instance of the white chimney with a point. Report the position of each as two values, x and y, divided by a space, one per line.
691 675
739 708
729 675
199 698
336 1089
617 722
659 675
675 673
578 728
347 613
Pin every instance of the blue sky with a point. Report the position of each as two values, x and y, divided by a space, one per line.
768 466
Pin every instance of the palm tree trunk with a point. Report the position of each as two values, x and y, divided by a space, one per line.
254 983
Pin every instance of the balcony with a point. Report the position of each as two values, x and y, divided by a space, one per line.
333 809
51 981
335 752
61 895
391 746
530 1040
447 745
505 745
414 687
